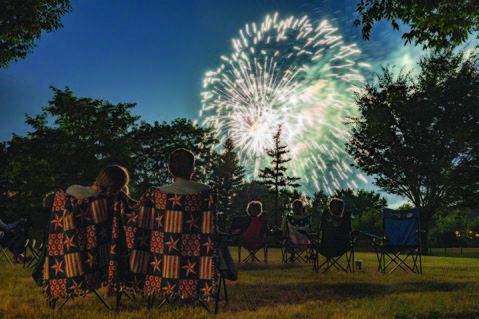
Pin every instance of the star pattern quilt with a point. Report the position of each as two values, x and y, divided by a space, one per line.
171 240
163 245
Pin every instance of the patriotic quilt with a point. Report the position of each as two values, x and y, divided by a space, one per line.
84 248
172 245
164 245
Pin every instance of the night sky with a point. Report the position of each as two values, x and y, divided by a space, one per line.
154 53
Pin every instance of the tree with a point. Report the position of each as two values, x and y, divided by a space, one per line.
85 136
251 191
156 142
450 230
437 24
357 203
227 175
370 221
419 137
275 177
319 203
22 23
365 208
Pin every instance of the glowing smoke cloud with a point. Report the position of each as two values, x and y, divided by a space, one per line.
289 73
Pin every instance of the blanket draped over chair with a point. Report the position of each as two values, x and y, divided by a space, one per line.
164 245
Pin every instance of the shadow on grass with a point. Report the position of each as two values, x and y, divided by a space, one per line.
252 296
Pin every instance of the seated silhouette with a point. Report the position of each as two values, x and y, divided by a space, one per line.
252 230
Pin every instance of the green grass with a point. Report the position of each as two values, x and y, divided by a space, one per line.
455 252
448 288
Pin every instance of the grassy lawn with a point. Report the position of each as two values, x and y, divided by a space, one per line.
448 288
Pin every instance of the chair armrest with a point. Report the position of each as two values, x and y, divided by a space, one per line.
370 235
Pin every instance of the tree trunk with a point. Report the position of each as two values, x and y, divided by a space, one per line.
425 218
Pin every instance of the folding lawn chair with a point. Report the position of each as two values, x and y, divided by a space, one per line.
174 248
253 239
35 249
38 221
84 249
400 245
296 243
336 240
6 244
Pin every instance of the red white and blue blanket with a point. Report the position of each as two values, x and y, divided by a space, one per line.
163 245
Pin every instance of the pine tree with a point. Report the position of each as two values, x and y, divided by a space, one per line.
227 175
275 177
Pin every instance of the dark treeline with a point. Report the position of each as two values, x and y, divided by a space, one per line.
74 138
416 135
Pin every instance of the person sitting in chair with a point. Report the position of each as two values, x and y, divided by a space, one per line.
111 179
241 223
335 212
8 233
291 225
182 166
254 235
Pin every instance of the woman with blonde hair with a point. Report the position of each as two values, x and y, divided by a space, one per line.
111 179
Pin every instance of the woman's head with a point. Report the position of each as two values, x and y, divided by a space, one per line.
112 179
298 208
254 209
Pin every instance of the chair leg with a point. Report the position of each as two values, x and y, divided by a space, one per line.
102 300
222 282
6 256
118 298
63 303
150 301
166 300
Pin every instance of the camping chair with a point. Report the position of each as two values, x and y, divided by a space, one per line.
400 245
38 225
4 245
253 238
35 249
84 248
296 243
174 248
336 240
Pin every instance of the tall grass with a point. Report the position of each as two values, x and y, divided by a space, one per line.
448 288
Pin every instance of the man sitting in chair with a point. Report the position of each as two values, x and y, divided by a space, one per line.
182 166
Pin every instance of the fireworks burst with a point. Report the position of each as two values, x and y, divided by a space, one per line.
292 74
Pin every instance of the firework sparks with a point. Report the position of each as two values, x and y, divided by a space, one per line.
292 74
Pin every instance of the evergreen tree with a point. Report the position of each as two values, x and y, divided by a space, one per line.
227 174
275 177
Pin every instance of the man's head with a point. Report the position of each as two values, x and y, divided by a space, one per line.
336 206
182 163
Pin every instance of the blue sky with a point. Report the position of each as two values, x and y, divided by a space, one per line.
156 53
153 53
